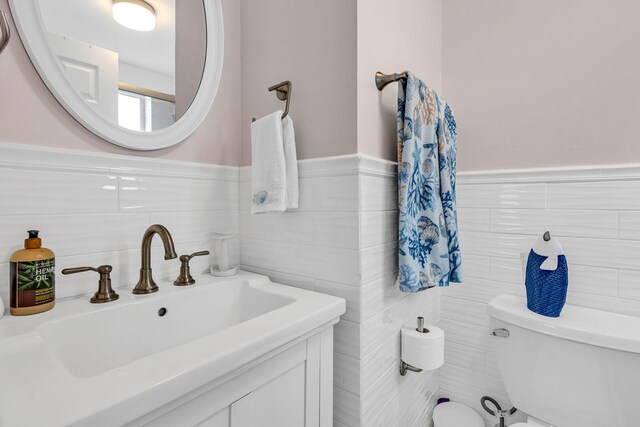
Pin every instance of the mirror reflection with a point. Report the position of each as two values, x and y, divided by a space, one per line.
137 63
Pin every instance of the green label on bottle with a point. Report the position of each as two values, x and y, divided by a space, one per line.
32 283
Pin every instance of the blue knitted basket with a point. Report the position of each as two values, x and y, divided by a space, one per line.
546 290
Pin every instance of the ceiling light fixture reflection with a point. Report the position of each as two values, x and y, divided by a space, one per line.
136 15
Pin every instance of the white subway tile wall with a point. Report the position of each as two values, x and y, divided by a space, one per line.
93 209
342 241
596 215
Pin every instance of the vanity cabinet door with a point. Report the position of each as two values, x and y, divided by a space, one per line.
278 403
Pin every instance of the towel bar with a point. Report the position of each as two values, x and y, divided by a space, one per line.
382 80
5 31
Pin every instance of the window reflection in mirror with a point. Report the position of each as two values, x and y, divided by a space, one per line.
145 111
127 72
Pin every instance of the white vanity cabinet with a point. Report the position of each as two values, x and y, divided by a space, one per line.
291 387
240 351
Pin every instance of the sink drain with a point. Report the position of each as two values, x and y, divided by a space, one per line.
162 312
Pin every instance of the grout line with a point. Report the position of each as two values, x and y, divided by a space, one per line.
619 224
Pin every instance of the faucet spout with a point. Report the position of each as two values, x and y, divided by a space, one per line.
146 285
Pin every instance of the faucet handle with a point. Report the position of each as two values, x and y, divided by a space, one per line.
105 293
185 279
200 253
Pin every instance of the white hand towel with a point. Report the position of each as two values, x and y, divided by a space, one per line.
291 162
268 172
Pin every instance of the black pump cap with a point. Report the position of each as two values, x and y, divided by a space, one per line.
33 234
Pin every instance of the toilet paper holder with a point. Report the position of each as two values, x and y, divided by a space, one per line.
405 367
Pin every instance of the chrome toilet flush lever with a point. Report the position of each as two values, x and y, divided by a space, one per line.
185 279
501 333
105 293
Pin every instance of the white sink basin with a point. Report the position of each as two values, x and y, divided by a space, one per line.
109 364
86 343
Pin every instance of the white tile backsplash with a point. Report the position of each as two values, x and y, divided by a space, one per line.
477 266
502 196
474 219
629 225
74 234
465 356
28 191
151 194
378 193
457 308
597 220
501 245
93 209
378 261
469 334
578 223
328 193
629 284
378 228
378 295
605 194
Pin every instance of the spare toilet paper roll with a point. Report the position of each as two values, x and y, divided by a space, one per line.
423 350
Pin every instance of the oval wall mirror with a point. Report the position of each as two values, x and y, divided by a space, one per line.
141 74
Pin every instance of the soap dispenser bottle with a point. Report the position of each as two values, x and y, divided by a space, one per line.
32 278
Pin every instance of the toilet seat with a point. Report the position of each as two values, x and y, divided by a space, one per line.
452 414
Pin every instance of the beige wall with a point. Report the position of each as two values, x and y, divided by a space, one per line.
30 114
393 38
543 83
533 84
313 44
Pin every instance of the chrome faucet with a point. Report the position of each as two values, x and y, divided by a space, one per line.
146 285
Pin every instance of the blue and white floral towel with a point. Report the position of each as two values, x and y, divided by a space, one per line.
429 252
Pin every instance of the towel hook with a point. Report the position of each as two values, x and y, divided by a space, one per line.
5 31
283 91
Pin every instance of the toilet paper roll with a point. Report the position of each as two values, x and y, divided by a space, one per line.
423 350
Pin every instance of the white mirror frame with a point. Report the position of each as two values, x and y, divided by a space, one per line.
29 23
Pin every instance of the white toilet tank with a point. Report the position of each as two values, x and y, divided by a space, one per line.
579 370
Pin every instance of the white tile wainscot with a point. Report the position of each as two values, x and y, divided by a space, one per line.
342 241
595 212
92 209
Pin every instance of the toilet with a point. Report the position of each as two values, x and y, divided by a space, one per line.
580 369
452 414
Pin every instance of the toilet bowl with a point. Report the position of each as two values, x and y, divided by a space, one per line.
452 414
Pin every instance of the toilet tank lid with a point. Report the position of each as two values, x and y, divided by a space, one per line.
586 325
